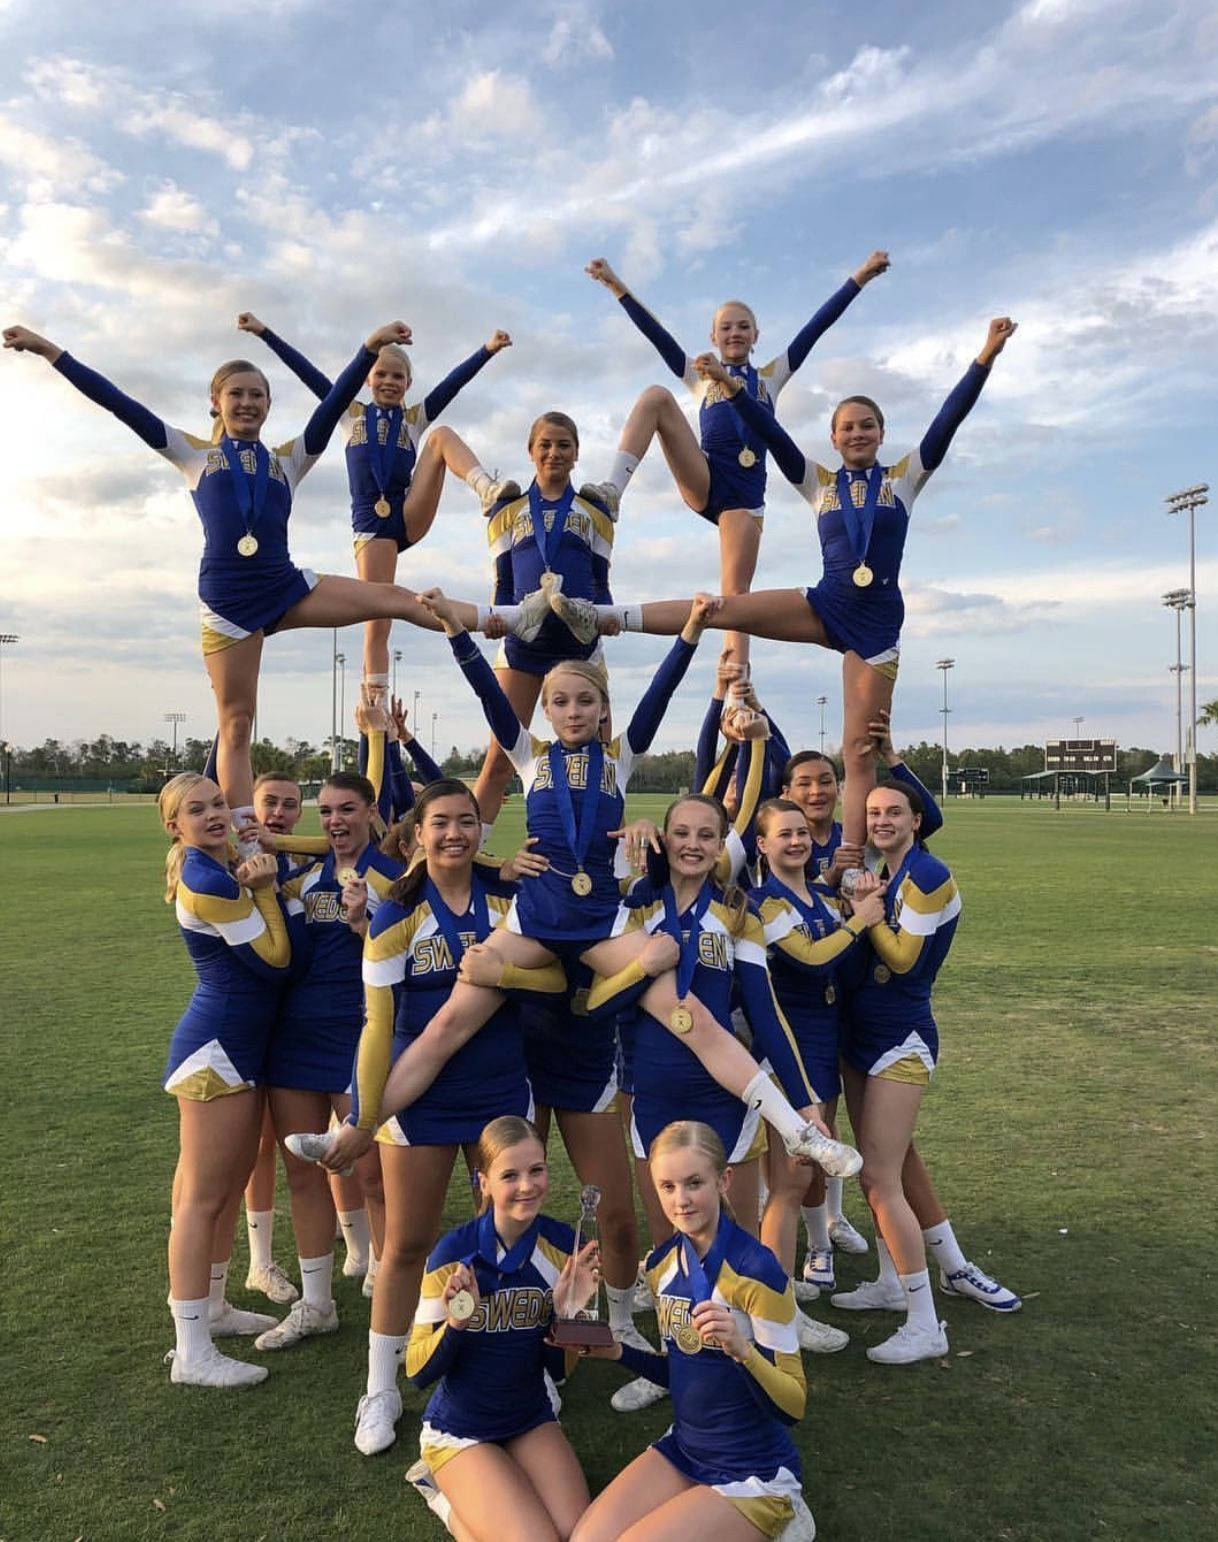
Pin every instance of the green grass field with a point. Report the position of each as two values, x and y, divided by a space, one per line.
1070 1130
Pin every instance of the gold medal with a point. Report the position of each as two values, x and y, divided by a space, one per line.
248 544
830 995
688 1339
862 575
582 884
346 875
461 1307
881 974
747 457
681 1020
381 508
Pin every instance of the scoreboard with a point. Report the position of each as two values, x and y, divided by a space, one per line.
1080 755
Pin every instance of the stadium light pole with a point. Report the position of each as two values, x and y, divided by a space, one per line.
7 640
175 718
1177 600
434 717
341 660
1192 499
821 702
945 665
414 716
334 700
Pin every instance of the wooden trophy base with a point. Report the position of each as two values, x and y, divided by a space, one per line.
580 1333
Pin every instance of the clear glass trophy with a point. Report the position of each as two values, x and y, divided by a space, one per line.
588 1326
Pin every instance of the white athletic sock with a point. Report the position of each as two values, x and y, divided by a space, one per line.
487 831
888 1270
944 1249
833 1197
377 680
219 1284
386 1351
816 1220
374 1267
620 1300
316 1280
356 1235
260 1229
763 1094
245 816
192 1327
628 617
623 469
919 1300
478 479
508 614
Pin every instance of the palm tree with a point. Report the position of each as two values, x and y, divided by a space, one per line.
1207 716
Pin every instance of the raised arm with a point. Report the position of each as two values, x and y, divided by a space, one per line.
812 331
649 713
963 397
457 379
657 335
345 389
306 372
88 382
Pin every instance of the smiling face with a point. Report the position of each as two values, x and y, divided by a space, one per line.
857 433
813 786
733 332
277 805
346 819
517 1184
553 449
243 401
690 1190
575 706
202 819
389 378
787 841
693 838
891 821
450 832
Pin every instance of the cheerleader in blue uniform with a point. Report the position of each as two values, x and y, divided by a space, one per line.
495 1464
242 491
720 473
236 934
568 910
418 935
727 1468
385 464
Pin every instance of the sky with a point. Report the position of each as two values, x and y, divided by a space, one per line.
334 168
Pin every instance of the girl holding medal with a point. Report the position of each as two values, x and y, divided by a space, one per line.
495 1464
727 1468
236 933
721 473
568 910
385 464
242 491
415 944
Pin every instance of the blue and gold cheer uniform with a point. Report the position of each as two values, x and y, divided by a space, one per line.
238 942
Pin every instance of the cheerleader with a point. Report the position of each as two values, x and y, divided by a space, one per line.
567 911
385 465
727 1468
491 1444
236 934
242 491
721 473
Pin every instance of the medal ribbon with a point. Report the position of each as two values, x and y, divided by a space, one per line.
380 456
749 375
548 543
703 1272
859 522
688 945
489 1243
580 843
894 883
446 921
249 500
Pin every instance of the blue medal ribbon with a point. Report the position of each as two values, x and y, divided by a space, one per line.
489 1243
581 842
703 1272
748 374
548 542
859 522
380 456
447 922
249 500
689 945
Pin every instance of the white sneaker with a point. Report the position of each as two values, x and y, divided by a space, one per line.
818 1337
312 1147
230 1322
273 1283
535 608
818 1268
871 1296
420 1478
636 1394
376 1420
499 487
978 1286
552 1392
801 1527
214 1370
578 616
910 1343
805 1291
837 1159
603 492
301 1322
844 1237
642 1300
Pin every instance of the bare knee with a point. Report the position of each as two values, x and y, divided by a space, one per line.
405 1254
236 727
657 401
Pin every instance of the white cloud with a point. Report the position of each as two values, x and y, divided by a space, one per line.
491 106
34 158
171 208
575 37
